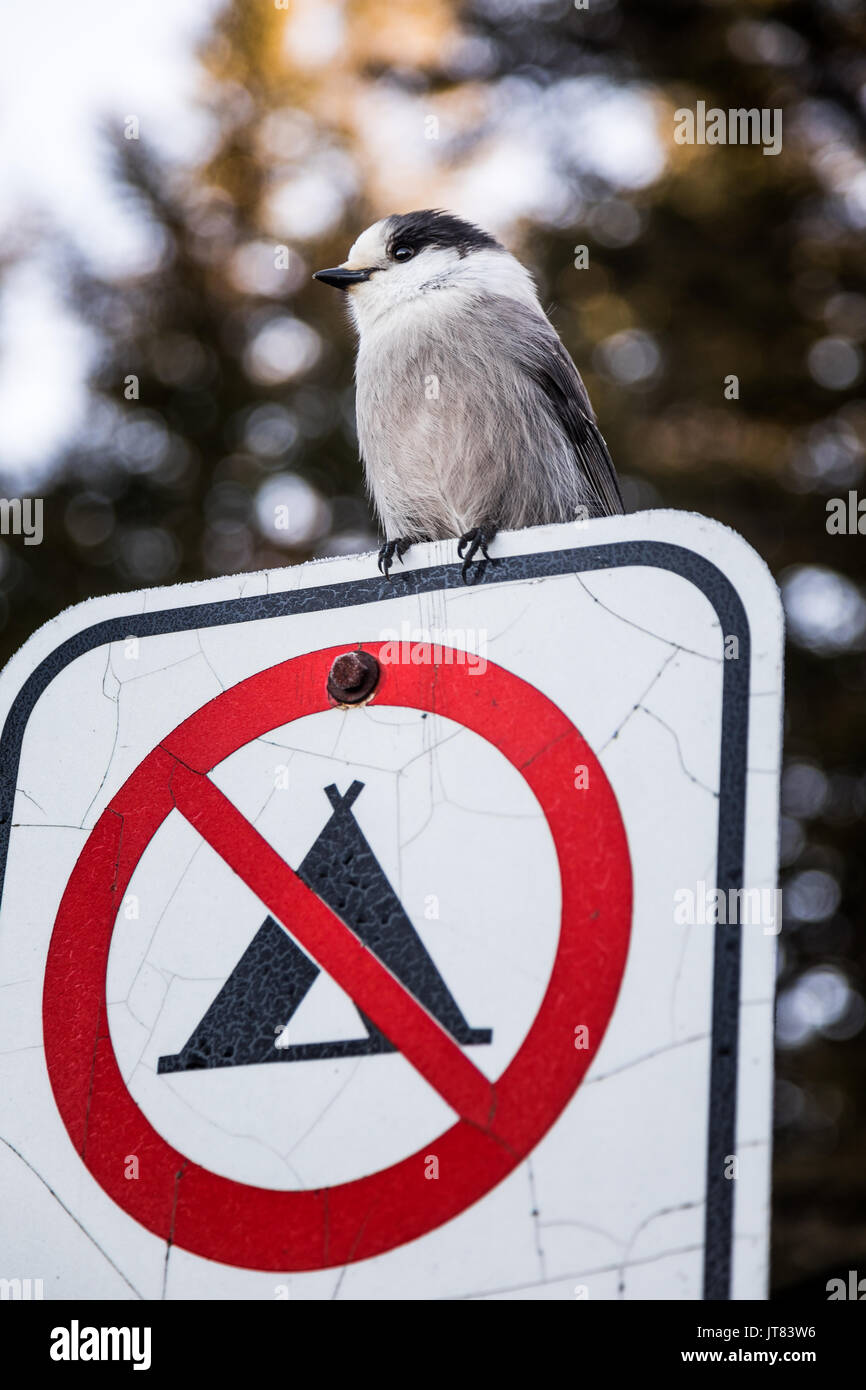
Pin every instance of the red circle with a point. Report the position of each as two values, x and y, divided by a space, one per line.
257 1228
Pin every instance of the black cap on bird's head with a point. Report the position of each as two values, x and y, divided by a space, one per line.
397 239
433 227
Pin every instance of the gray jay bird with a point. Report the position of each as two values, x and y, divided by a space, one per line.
471 415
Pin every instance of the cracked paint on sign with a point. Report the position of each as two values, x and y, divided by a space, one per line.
614 1197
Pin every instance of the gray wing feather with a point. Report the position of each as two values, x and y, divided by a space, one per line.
540 353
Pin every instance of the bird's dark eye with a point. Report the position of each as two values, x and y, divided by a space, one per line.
403 253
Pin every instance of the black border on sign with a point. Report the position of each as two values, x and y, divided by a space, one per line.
720 592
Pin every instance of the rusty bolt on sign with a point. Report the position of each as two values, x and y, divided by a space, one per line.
353 677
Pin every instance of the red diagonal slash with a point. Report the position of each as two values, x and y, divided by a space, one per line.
337 950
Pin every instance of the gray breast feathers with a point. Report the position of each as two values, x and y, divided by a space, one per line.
478 416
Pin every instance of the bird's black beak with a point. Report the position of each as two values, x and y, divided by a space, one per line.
341 279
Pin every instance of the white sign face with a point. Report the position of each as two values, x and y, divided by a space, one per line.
462 990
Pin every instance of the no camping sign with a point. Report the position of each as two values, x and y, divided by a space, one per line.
381 978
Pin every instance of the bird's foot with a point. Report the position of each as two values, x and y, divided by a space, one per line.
477 539
388 552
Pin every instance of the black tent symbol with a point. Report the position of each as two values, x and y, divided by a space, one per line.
274 974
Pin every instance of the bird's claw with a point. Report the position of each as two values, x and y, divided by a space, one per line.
468 546
388 551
